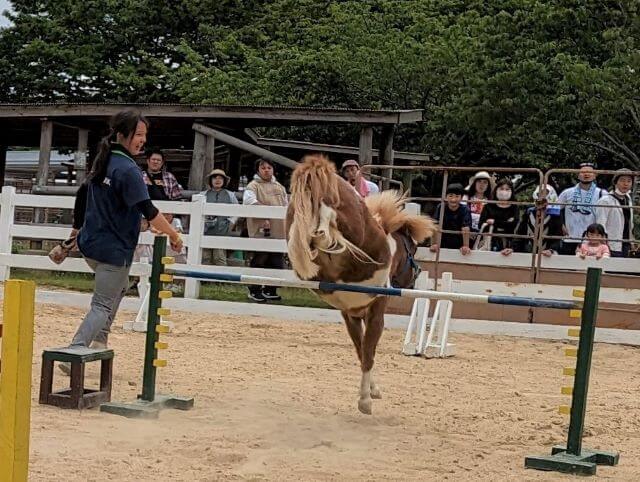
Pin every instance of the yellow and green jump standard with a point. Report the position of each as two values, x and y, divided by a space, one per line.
149 403
572 458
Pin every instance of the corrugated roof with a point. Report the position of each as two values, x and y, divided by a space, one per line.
210 106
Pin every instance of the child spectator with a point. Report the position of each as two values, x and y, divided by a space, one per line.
457 217
595 243
503 216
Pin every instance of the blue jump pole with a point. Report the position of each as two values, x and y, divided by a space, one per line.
379 290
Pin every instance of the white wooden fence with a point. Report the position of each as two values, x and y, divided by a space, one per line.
195 242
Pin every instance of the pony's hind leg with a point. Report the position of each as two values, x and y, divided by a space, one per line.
374 325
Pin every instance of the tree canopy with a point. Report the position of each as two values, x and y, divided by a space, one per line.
522 82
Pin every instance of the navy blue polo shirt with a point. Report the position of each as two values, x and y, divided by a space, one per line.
453 221
112 220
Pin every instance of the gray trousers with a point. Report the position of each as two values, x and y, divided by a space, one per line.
111 283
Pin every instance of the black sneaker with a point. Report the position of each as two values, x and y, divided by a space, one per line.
271 296
257 297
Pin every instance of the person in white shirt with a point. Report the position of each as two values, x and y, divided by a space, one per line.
580 212
351 172
614 212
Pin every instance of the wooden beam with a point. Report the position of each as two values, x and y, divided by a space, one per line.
245 146
337 148
386 153
253 115
196 173
366 142
80 157
46 137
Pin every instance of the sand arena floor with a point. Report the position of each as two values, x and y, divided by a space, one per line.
277 401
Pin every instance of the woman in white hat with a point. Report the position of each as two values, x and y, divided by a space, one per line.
219 225
478 191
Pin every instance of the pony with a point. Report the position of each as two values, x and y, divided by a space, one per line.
333 234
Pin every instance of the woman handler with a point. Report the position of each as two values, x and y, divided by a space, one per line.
116 200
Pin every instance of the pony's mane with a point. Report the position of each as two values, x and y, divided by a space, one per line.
387 208
313 181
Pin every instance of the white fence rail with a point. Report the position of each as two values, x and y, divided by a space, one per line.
195 242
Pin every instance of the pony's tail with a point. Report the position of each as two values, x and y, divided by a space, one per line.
313 183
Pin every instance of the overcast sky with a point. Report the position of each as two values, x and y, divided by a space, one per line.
4 5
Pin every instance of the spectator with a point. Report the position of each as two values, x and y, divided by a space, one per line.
457 217
503 216
265 190
478 191
163 186
595 243
219 225
615 213
547 216
351 172
580 211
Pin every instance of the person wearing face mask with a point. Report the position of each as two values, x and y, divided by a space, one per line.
579 213
265 190
503 216
615 213
114 201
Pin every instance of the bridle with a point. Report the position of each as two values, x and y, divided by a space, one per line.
409 265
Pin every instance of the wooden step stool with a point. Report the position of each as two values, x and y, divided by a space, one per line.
76 396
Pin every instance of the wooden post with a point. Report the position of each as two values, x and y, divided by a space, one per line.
210 155
196 173
3 163
386 154
15 383
80 158
46 138
366 142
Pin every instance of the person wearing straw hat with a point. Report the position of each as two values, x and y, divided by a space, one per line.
217 180
614 211
478 191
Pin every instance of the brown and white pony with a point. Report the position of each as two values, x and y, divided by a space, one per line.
335 235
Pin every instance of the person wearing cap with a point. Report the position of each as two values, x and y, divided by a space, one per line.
162 185
217 180
478 191
457 217
545 214
614 212
265 190
351 172
579 209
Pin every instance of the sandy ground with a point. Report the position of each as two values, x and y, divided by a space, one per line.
277 401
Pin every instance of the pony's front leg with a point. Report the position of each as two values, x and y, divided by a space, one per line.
374 325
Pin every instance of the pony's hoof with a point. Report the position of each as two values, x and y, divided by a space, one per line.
376 393
364 405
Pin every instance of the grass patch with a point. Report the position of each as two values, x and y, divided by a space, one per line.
83 282
235 292
59 279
